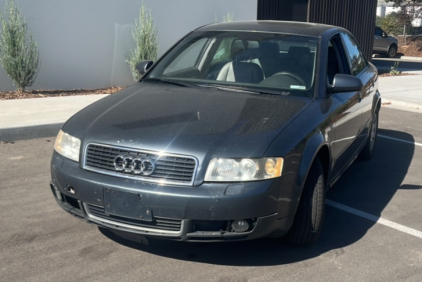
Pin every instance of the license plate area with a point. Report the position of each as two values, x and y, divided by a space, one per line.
126 204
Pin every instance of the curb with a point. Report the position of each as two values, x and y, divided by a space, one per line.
401 104
411 58
29 132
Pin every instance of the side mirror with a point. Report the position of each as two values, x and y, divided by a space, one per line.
384 35
346 83
143 66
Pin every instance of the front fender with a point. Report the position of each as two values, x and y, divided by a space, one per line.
295 171
310 152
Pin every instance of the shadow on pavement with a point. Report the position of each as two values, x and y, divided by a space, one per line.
403 65
366 186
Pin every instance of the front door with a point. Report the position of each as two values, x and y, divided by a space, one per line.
381 44
349 123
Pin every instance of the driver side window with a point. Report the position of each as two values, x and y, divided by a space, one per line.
335 59
357 60
378 31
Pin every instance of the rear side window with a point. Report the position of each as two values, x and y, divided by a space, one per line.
356 59
378 31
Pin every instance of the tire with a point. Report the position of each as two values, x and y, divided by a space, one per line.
392 51
368 149
309 216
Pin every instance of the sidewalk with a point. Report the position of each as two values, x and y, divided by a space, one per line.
403 92
43 117
39 117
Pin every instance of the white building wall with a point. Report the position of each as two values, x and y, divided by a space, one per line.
382 11
83 43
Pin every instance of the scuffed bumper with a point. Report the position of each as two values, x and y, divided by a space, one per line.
202 213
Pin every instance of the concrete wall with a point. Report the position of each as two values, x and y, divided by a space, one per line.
83 43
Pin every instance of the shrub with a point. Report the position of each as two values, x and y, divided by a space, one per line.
18 50
228 17
394 69
394 23
144 35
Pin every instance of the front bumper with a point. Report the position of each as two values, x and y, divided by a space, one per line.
202 213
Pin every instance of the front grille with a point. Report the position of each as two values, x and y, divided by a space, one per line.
169 168
158 223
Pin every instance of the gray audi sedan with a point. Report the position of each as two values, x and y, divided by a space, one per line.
235 133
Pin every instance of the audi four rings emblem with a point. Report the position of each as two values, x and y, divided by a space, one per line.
135 164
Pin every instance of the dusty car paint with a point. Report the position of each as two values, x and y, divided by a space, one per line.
203 124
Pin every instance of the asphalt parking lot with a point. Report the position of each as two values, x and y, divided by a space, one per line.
372 229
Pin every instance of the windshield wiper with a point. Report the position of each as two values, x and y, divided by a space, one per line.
234 88
168 81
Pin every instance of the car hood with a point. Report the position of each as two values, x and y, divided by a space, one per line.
193 121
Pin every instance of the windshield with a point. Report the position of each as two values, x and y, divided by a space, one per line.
277 63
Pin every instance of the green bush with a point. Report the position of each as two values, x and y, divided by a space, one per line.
395 69
144 35
18 50
394 23
228 17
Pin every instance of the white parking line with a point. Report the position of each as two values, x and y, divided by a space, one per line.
400 140
376 219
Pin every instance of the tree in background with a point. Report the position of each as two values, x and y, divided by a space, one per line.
229 17
409 9
144 35
18 50
394 23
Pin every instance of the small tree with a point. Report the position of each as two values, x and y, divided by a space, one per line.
228 17
145 36
409 9
394 23
18 50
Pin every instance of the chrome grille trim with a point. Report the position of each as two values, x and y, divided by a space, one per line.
152 178
128 226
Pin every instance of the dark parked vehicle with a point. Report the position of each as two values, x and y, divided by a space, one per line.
384 44
235 133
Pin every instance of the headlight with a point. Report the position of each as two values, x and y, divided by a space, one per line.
230 170
67 146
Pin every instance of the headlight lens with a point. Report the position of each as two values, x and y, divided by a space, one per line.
67 146
231 170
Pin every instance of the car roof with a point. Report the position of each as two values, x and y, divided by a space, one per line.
301 28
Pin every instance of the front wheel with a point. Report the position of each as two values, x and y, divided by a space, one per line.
308 220
367 151
392 51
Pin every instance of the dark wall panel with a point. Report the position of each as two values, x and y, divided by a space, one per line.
358 16
283 10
